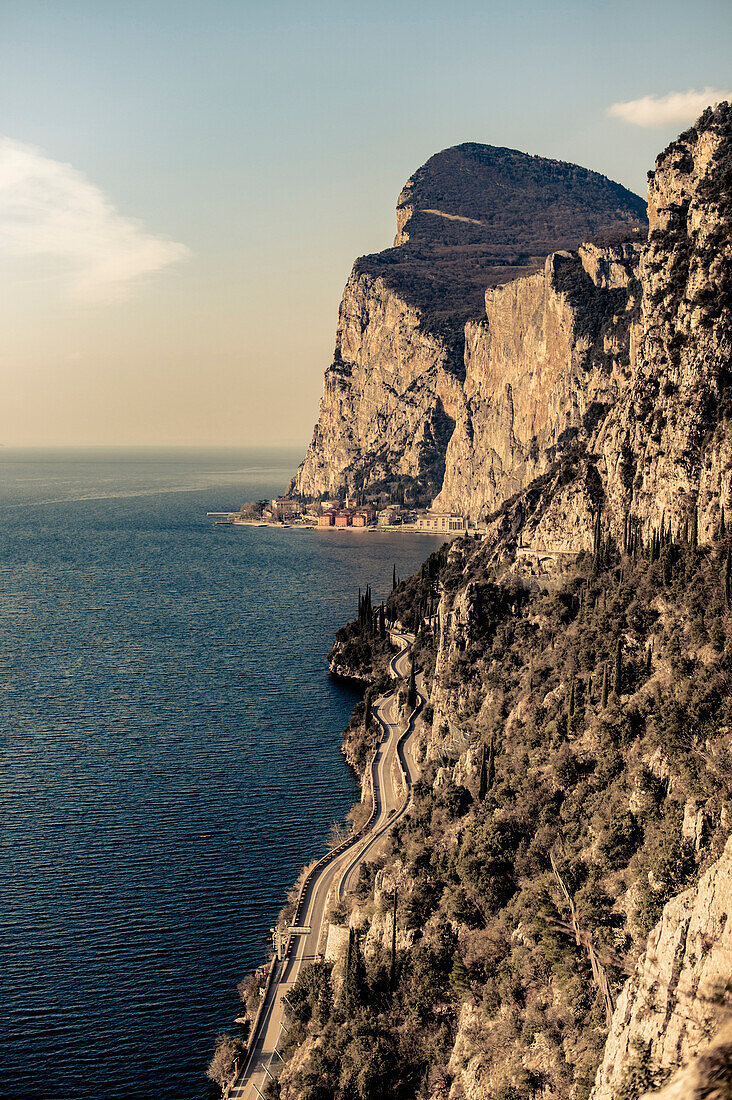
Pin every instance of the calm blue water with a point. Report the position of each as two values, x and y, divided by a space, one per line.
169 750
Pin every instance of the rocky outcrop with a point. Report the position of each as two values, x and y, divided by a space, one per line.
613 359
666 451
542 371
621 354
389 402
472 217
707 1077
679 993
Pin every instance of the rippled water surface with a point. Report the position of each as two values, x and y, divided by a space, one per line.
169 745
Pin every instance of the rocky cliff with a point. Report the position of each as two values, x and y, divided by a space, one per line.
614 356
679 994
472 217
617 360
542 371
666 447
563 879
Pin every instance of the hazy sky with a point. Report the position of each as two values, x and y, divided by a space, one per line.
185 185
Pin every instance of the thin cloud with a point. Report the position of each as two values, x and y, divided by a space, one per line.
50 211
676 107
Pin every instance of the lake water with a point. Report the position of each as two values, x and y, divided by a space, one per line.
169 743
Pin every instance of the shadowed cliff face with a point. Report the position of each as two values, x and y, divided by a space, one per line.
472 217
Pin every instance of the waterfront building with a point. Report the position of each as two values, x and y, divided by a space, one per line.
389 516
444 522
284 507
326 519
343 519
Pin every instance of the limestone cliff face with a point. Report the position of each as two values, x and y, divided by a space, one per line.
614 358
622 354
679 993
542 372
666 450
467 220
389 401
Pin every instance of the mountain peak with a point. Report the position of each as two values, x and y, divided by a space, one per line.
476 215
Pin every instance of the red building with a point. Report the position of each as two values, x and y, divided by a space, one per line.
325 519
343 519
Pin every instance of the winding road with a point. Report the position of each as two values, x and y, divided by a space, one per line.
393 772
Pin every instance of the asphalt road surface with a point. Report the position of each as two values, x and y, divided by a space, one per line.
392 773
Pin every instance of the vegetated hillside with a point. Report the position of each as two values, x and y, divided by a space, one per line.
577 776
577 750
476 215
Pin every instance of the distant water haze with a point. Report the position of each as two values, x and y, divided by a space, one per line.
169 745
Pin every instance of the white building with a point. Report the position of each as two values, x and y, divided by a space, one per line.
442 522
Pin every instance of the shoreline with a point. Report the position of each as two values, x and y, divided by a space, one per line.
393 529
277 966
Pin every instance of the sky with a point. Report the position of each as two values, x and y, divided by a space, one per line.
184 186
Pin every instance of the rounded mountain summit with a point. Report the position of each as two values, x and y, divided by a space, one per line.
476 215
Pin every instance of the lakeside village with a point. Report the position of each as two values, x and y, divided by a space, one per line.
339 514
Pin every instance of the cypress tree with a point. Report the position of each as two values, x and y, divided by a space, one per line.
357 977
382 621
598 535
392 963
346 991
483 782
603 696
412 690
618 682
393 578
367 709
491 762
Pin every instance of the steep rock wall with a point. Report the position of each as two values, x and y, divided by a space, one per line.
542 372
472 217
389 400
666 450
679 994
616 358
